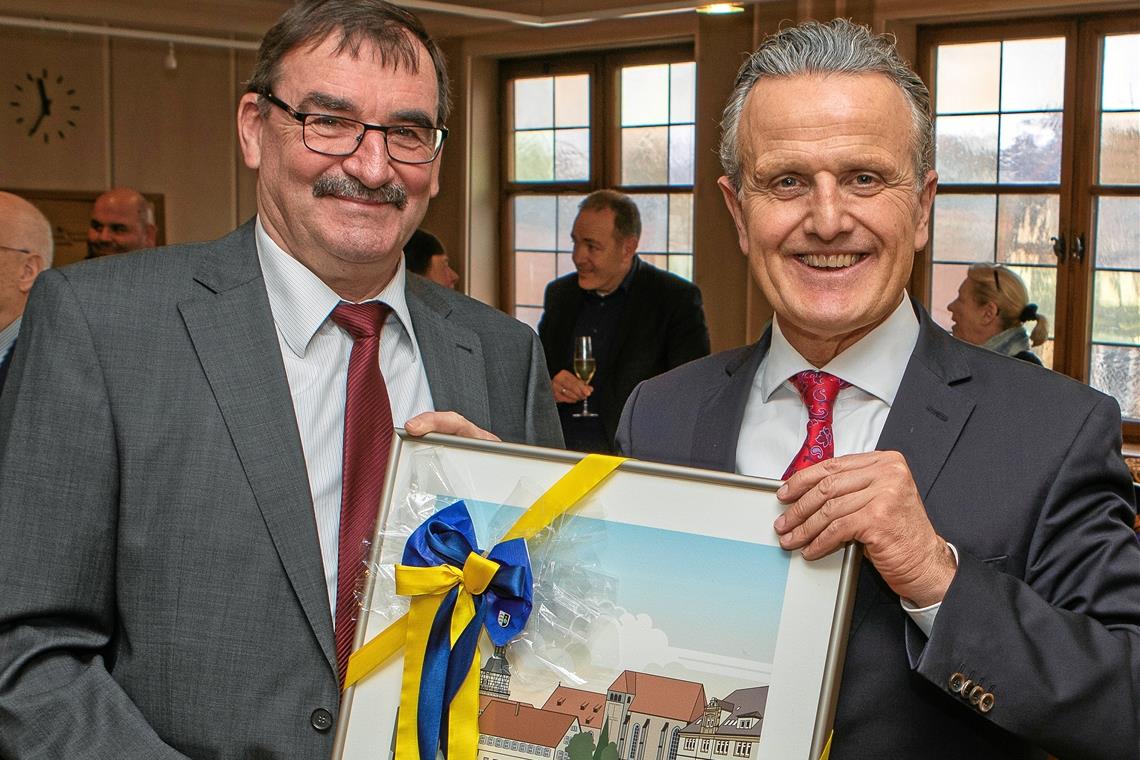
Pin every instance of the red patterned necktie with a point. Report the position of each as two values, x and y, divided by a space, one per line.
819 391
367 441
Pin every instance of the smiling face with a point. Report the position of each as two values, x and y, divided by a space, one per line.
828 213
346 218
119 224
601 258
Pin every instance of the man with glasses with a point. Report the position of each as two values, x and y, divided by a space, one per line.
188 496
25 250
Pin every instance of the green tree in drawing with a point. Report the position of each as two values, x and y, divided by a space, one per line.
581 747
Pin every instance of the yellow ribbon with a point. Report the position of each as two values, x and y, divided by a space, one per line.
428 585
827 747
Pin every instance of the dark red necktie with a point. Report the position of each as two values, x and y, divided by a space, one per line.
367 441
819 391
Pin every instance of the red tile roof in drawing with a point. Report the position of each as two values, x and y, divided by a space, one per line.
588 706
660 696
486 699
512 720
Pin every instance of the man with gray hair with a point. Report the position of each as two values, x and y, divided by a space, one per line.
122 220
998 605
191 470
641 320
26 248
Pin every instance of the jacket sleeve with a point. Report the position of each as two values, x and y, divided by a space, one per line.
687 334
58 504
1058 651
543 427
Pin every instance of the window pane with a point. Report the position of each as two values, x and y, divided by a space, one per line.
1026 226
535 222
572 101
534 103
567 213
963 228
645 95
682 92
681 223
966 148
534 156
1031 147
1116 307
1118 233
967 79
1033 74
1120 147
654 222
528 315
1121 89
532 271
565 264
572 154
944 283
1116 371
643 156
659 260
681 155
682 266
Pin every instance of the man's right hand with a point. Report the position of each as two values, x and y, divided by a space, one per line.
568 389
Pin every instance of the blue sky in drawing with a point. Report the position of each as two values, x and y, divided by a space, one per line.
706 594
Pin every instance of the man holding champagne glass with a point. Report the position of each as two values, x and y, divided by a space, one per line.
615 321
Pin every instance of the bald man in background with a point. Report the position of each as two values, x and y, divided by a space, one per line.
25 251
122 220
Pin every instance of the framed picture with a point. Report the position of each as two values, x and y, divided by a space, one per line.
667 621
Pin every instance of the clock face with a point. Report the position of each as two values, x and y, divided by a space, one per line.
44 106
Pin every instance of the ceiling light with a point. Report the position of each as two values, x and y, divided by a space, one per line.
719 9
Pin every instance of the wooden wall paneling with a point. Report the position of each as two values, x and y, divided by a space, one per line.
720 269
245 193
67 148
173 132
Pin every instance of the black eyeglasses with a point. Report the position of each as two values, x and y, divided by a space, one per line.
17 250
338 136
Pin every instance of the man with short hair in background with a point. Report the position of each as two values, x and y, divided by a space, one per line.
997 614
641 320
26 248
426 257
189 483
122 220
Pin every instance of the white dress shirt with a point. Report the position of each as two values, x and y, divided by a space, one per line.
315 352
775 417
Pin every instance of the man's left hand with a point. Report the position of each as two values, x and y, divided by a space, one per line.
451 423
870 498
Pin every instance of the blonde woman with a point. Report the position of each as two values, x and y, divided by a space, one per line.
991 310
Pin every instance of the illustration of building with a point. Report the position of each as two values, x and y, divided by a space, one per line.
728 729
495 676
514 731
646 714
589 707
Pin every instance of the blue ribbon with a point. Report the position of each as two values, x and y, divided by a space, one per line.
448 537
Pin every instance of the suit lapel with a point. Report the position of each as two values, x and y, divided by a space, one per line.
452 356
231 326
928 414
721 413
5 363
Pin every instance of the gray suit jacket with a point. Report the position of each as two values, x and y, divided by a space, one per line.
162 585
1020 469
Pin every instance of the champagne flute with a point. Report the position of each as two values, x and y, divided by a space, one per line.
584 367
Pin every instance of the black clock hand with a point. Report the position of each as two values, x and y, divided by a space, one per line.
45 101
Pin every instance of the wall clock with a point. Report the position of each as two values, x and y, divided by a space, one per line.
45 106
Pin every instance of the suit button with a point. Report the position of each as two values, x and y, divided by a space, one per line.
986 703
966 686
976 695
956 682
321 719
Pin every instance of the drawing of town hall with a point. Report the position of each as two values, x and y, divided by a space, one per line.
640 717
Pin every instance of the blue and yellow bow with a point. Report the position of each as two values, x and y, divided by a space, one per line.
455 592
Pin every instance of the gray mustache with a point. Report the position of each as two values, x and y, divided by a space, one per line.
349 187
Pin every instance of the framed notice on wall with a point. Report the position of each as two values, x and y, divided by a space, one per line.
69 212
664 616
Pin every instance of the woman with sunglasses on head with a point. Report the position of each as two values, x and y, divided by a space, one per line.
991 310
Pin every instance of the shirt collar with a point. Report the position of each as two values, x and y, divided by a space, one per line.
8 336
301 302
623 286
875 363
